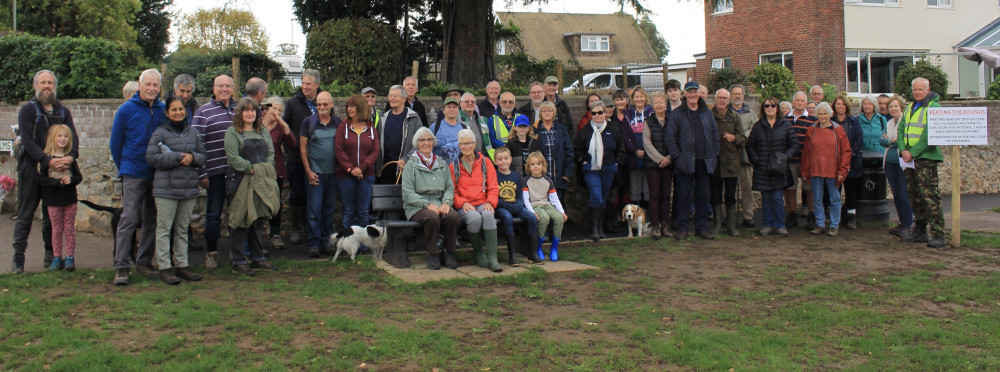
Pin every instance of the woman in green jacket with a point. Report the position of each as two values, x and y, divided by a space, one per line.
428 195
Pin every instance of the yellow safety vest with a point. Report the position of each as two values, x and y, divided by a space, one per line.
500 128
916 123
376 120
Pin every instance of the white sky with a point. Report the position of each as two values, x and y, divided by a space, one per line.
682 22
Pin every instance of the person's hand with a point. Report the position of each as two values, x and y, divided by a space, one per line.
665 161
434 208
186 159
401 162
64 181
885 135
203 183
640 154
356 172
565 217
312 177
840 179
445 208
729 137
565 178
468 207
907 156
537 218
488 207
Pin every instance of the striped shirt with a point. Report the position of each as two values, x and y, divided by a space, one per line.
211 121
800 125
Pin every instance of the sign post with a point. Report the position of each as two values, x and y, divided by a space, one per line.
956 127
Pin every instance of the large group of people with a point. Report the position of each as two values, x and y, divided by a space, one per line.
480 165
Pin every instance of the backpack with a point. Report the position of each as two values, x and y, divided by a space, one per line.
457 170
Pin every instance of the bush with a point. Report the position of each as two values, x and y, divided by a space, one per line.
435 89
206 79
773 80
85 67
355 51
829 90
337 88
926 69
195 63
993 92
281 88
724 78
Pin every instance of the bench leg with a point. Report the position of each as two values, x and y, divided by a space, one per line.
395 253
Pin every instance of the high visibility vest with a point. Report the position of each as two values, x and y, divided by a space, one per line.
376 119
916 124
500 127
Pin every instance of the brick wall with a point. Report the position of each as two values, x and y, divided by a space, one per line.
813 31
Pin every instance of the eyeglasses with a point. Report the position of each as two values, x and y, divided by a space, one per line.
466 144
506 101
597 112
770 105
468 101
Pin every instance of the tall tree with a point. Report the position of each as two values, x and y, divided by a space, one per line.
468 42
653 36
222 30
152 25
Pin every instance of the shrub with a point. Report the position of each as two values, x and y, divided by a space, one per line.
773 80
194 63
86 67
829 90
206 79
993 92
724 78
355 51
281 88
337 88
926 69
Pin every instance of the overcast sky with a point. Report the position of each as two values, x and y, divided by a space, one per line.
681 22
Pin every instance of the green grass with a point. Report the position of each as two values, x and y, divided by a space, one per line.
978 239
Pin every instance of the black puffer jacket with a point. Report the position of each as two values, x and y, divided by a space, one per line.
173 180
783 140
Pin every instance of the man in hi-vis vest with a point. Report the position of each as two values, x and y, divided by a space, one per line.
922 179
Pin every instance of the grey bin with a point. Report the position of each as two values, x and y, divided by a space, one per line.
872 206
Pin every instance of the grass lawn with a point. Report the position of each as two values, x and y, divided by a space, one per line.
860 302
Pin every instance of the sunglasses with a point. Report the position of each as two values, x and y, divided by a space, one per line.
597 112
769 105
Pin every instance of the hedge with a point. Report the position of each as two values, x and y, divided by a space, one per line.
204 67
85 67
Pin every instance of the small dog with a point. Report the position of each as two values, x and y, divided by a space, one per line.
350 240
116 216
636 218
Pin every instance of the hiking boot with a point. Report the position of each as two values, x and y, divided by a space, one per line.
767 230
817 230
47 259
899 230
852 221
706 235
121 277
748 224
681 235
313 252
655 234
17 263
263 265
70 264
186 274
917 234
833 231
57 264
792 219
433 261
276 242
936 242
242 269
449 260
212 260
146 271
167 276
783 232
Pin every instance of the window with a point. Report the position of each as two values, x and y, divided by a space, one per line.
595 43
501 48
870 72
721 63
724 6
939 3
783 58
873 2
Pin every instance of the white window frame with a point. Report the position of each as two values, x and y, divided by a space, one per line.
941 4
723 7
718 63
880 3
599 41
760 57
501 48
864 57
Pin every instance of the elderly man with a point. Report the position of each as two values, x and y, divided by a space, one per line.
476 123
883 106
301 106
747 119
562 109
502 122
184 89
396 136
693 142
370 97
490 104
801 121
33 121
316 147
816 94
731 146
703 92
133 125
410 85
922 177
211 121
537 94
256 88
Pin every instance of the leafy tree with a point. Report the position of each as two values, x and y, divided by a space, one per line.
653 36
152 25
86 67
925 69
724 78
355 51
993 92
222 30
106 19
773 80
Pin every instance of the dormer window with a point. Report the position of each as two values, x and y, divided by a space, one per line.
595 43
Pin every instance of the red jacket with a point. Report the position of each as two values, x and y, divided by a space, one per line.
355 151
469 187
826 153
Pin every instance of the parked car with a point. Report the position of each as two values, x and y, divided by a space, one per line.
605 82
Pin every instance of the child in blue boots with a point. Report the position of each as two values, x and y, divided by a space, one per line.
540 196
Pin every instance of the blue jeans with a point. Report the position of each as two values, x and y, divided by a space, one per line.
599 184
773 208
507 220
356 197
215 200
829 186
698 185
897 183
321 200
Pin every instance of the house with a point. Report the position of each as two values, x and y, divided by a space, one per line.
856 45
581 40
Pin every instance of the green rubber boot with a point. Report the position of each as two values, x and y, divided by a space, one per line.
476 239
491 250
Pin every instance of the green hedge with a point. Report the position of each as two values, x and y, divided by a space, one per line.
204 67
86 67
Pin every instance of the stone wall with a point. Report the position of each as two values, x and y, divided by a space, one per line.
101 185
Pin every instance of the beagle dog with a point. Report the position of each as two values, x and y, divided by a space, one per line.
636 218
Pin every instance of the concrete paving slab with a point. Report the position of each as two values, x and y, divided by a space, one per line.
418 272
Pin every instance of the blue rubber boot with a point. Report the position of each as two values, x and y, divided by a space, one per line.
57 263
541 254
70 264
554 250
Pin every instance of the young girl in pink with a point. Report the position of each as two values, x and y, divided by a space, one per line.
59 196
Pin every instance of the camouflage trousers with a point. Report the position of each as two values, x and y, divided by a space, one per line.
925 195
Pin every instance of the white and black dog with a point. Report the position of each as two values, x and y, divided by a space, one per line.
350 240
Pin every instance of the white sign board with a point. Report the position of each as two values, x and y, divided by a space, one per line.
951 126
6 145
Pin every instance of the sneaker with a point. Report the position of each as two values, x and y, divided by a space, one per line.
242 269
17 263
57 264
817 230
70 264
706 235
783 232
833 231
655 235
767 230
212 260
899 230
277 243
313 252
936 242
146 271
263 265
168 277
47 259
665 231
121 277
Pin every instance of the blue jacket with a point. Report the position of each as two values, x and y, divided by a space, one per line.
680 138
560 151
134 124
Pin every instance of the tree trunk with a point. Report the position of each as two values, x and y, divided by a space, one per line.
468 42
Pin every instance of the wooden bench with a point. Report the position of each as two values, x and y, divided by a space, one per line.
403 236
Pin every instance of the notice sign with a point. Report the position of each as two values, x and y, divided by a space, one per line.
951 126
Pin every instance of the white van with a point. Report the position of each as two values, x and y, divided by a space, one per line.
605 82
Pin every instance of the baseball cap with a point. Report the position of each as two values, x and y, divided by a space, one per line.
450 100
551 79
691 85
521 120
368 89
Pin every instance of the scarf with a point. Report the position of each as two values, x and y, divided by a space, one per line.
428 162
596 149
